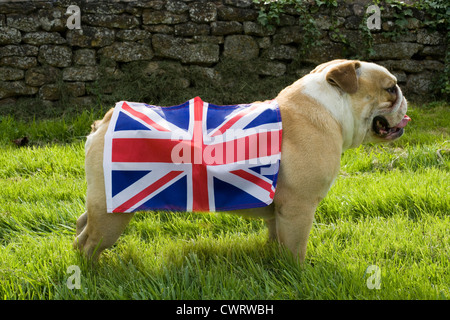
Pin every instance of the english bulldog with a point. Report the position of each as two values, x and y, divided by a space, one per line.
341 104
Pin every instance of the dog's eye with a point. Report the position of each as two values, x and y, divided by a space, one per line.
392 90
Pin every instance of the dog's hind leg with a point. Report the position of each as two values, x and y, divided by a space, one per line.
81 223
101 231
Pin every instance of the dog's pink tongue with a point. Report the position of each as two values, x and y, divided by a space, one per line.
404 122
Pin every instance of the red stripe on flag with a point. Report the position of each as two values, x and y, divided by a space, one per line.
160 150
143 117
147 191
233 120
143 150
254 179
199 173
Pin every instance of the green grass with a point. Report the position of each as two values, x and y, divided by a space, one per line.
390 207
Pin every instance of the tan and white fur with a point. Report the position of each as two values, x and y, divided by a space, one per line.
339 105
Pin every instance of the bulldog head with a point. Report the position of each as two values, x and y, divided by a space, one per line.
364 97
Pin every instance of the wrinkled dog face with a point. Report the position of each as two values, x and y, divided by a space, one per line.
364 97
383 105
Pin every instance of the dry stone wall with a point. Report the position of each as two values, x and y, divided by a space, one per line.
40 56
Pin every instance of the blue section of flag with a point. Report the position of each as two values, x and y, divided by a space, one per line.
172 198
217 114
123 179
261 119
124 122
229 197
176 115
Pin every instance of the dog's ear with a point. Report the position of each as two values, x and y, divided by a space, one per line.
345 76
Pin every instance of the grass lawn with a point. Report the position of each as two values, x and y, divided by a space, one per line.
389 208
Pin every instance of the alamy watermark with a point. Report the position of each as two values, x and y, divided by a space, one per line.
374 280
74 21
374 20
74 280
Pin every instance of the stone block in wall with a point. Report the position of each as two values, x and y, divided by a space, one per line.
353 22
166 46
280 52
80 73
24 7
50 92
430 38
89 37
85 57
191 29
163 17
201 53
286 35
127 51
255 29
239 3
154 4
271 68
133 35
9 36
236 14
75 89
222 28
408 65
18 50
9 73
240 47
433 65
27 23
420 83
397 50
207 39
159 28
15 88
41 75
264 42
107 7
434 51
56 56
323 52
53 19
41 37
123 21
176 6
18 62
203 12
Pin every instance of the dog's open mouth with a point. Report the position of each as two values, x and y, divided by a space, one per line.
382 129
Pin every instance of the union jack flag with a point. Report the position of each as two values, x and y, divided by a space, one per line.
192 157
